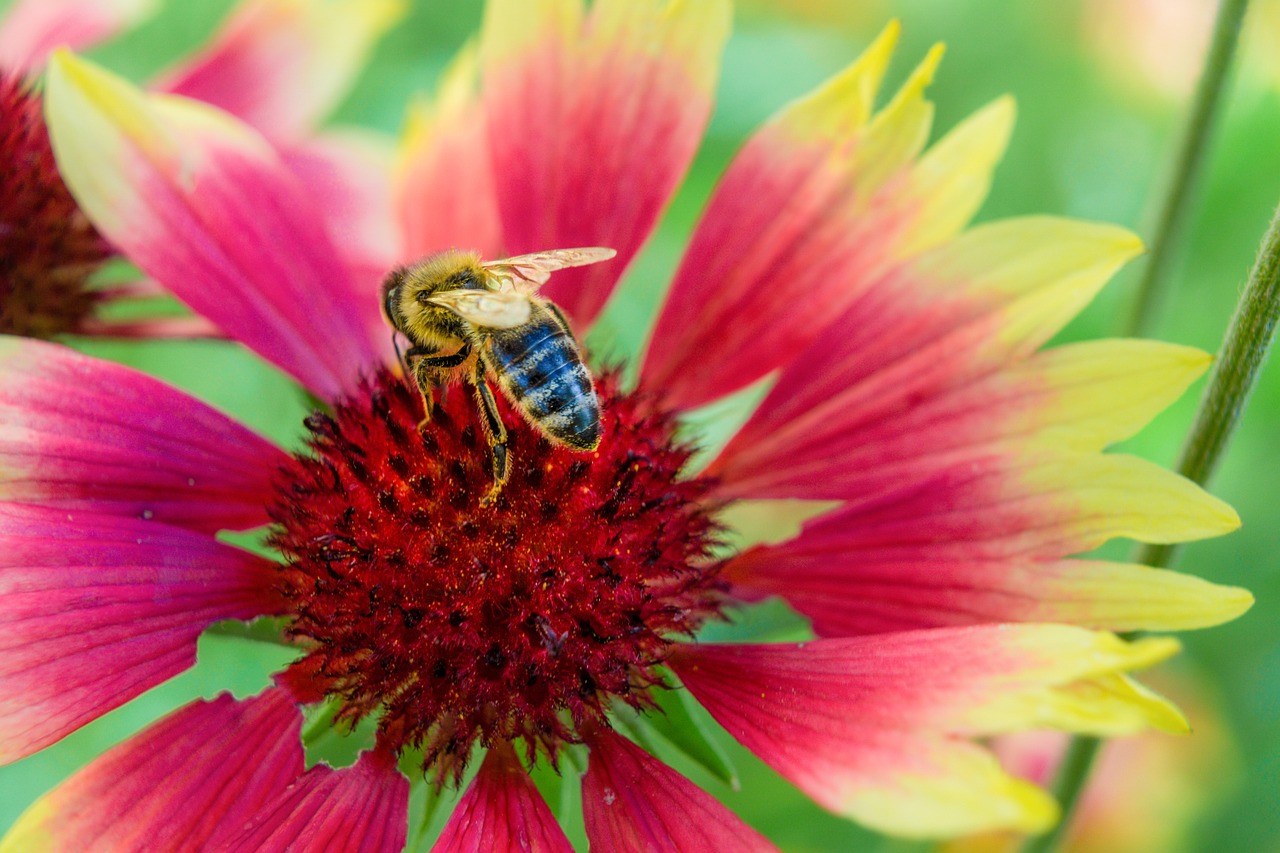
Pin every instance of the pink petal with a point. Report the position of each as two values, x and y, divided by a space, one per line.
33 28
96 609
359 809
176 785
444 189
592 123
870 727
814 211
83 434
348 176
280 65
205 206
632 801
502 812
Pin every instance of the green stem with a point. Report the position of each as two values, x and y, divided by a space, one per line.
1244 351
1240 360
1188 166
1068 785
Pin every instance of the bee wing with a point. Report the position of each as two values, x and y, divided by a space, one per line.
493 309
529 272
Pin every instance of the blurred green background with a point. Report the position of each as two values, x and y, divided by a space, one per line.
1101 89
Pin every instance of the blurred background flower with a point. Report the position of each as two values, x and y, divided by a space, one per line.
1088 144
1148 793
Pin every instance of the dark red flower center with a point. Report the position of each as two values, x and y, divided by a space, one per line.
523 620
47 246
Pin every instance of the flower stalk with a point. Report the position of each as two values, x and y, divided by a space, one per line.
1240 359
1171 220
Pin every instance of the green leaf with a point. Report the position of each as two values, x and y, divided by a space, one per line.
687 727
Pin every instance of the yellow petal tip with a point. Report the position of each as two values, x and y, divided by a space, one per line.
1217 604
1147 651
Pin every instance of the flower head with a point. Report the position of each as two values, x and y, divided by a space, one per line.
946 468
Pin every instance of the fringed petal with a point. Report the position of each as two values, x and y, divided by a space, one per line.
849 591
871 727
632 801
1048 506
282 65
987 517
502 812
33 28
967 485
83 434
359 809
179 784
96 609
858 205
205 206
444 192
593 119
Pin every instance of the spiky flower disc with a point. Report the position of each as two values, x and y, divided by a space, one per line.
460 622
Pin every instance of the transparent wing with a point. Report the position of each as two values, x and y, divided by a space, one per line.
529 272
494 309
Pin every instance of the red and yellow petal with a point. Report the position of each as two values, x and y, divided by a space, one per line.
964 458
593 118
873 728
96 609
502 812
281 65
205 206
755 288
31 29
850 591
179 784
985 540
444 187
632 801
78 433
361 809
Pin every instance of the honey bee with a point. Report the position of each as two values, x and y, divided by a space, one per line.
472 319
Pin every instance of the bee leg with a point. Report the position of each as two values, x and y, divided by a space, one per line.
426 364
495 432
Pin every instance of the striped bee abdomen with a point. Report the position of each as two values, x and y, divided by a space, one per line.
541 371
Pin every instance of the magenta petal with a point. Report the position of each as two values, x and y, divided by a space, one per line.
204 205
593 120
502 812
632 801
80 433
359 809
348 176
176 785
96 609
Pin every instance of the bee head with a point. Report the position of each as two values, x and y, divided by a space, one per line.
407 291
